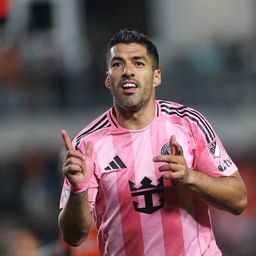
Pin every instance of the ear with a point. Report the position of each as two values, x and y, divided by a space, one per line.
156 77
107 80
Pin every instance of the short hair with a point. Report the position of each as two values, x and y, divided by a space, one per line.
132 36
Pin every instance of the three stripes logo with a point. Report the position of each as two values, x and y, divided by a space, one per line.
116 163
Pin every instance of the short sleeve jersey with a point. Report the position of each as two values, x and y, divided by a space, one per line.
136 211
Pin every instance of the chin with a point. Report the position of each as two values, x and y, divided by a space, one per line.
132 106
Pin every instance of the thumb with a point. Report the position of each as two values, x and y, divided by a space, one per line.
175 148
89 165
88 149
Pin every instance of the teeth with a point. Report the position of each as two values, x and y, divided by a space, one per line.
129 85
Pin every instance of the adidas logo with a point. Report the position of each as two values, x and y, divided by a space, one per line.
116 163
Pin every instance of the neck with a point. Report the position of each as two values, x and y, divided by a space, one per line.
135 120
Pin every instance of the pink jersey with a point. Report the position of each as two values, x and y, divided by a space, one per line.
136 211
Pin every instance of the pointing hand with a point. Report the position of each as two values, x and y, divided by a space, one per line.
175 166
77 167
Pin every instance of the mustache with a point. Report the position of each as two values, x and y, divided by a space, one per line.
128 80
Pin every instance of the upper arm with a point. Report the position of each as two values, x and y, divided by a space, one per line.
210 155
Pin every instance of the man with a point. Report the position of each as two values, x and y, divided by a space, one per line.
146 169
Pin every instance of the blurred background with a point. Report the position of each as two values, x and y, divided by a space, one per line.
52 71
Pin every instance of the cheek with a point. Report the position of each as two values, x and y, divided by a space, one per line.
149 81
113 78
148 77
111 85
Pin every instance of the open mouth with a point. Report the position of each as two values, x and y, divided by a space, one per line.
129 87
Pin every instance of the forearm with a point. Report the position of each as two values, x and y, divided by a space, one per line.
226 193
75 219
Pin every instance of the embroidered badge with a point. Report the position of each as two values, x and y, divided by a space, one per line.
214 148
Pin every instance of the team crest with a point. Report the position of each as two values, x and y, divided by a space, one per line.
214 148
165 150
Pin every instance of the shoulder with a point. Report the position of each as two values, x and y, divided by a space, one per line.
99 125
186 116
174 109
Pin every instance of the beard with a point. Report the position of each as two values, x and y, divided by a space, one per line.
131 102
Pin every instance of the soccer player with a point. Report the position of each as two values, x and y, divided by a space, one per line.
146 169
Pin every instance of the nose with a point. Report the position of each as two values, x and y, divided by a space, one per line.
128 69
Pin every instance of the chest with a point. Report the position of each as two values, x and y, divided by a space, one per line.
128 156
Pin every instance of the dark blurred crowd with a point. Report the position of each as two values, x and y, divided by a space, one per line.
29 199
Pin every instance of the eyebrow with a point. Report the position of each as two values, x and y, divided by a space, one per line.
117 58
139 58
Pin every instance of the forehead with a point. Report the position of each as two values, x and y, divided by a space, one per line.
128 50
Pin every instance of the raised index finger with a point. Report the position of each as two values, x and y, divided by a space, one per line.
66 139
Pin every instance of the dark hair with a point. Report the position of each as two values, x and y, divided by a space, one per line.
132 36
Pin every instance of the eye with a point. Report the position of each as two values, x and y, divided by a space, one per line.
116 64
139 63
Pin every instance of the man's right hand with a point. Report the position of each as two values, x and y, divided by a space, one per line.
77 167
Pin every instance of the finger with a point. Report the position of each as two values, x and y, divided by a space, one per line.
167 158
170 167
74 153
175 147
72 169
66 139
73 161
73 173
173 175
73 176
88 148
162 158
